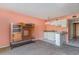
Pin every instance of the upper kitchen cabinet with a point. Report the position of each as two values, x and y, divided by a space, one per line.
62 23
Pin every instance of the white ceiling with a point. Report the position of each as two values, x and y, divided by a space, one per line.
43 10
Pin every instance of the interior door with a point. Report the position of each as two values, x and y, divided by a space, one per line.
77 30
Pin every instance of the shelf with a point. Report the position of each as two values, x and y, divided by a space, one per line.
17 34
17 30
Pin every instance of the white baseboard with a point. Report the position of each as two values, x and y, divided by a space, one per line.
4 46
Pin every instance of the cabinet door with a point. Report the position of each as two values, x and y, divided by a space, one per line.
57 39
27 34
17 36
49 35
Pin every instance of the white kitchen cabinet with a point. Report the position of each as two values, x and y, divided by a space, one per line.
49 37
56 38
62 23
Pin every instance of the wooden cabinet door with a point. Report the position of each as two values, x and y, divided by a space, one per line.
17 36
26 34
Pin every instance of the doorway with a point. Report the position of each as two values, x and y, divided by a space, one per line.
73 32
76 31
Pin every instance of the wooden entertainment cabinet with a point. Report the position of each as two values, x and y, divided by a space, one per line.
21 34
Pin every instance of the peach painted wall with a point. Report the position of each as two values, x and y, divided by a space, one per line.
63 17
55 28
7 17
